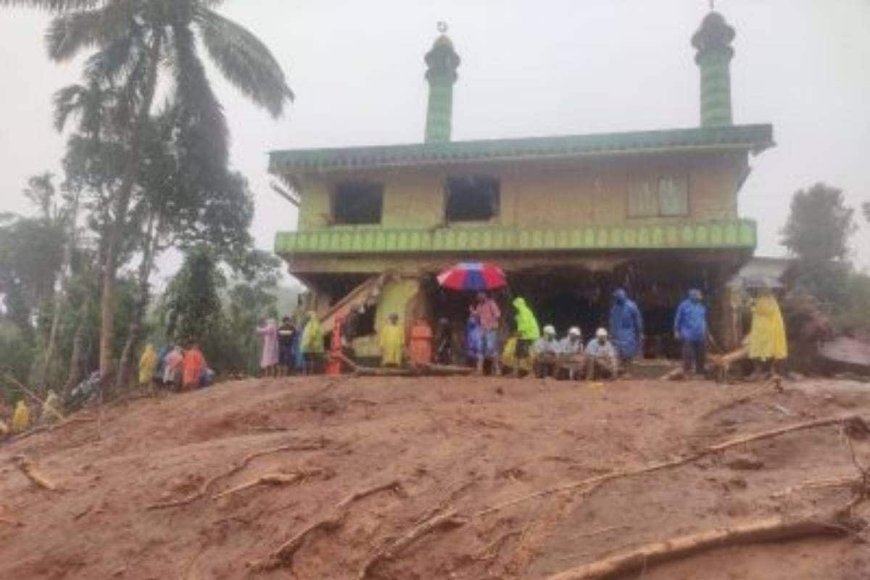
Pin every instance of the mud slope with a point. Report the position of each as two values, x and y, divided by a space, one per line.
395 478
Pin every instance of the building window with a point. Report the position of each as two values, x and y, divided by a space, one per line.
472 198
357 203
666 196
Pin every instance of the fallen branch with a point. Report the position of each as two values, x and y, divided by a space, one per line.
395 547
818 484
54 427
851 423
283 555
26 467
206 487
17 384
271 479
765 530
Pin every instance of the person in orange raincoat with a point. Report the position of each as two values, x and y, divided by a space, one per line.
192 366
420 344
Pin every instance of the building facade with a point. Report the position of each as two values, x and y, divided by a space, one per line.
569 218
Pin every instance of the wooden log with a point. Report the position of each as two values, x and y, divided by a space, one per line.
27 468
283 555
764 530
393 548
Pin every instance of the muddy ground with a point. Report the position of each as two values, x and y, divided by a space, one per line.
440 450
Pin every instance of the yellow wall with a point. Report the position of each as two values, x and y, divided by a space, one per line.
556 193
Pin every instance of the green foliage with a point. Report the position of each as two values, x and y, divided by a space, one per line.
853 314
16 356
819 225
192 301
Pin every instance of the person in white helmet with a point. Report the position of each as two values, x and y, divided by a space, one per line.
572 361
547 352
601 358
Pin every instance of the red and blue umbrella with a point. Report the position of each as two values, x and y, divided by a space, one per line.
473 276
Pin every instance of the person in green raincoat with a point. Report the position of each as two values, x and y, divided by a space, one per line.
528 332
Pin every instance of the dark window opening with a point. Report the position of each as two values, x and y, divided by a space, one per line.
357 203
474 198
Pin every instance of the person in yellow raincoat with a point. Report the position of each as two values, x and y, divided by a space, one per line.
392 342
147 366
767 340
312 344
21 417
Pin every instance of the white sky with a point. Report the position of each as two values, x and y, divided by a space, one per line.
542 67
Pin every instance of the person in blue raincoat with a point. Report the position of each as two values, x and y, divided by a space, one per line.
626 327
690 328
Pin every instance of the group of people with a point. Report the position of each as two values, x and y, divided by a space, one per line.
286 349
174 367
540 351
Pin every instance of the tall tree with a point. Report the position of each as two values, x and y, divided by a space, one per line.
132 43
817 233
819 225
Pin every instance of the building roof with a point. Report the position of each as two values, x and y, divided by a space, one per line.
753 138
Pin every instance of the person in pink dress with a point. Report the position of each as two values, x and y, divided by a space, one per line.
269 358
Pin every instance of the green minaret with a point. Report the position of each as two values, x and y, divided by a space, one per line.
441 64
713 43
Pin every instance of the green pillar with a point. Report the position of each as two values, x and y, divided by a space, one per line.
713 43
441 64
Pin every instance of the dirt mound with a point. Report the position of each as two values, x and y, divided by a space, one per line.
374 478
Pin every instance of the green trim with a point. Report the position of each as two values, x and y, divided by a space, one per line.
744 137
683 235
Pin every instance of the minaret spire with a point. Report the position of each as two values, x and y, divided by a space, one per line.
713 43
441 64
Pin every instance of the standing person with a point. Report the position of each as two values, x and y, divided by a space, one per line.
571 349
489 315
420 344
767 340
286 344
193 367
444 343
528 331
172 368
147 366
601 357
392 342
690 327
473 340
268 332
546 350
626 328
312 344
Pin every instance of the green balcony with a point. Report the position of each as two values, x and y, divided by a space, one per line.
339 240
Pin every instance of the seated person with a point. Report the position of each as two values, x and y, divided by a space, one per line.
572 359
546 351
601 359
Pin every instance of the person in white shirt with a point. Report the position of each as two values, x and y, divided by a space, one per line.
601 358
572 358
547 350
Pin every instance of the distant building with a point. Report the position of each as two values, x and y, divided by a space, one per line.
569 218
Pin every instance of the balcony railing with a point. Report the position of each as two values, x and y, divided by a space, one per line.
735 234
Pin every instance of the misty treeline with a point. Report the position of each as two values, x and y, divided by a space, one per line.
822 279
146 169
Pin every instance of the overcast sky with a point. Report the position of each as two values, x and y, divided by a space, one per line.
529 68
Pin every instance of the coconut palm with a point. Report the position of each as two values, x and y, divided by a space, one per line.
138 46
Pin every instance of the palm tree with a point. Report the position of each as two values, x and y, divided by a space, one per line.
134 44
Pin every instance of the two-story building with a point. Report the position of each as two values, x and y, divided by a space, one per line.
569 218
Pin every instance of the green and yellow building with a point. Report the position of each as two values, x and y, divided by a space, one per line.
569 218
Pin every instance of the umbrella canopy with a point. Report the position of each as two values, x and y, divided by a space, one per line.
472 276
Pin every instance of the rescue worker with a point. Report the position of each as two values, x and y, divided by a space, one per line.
21 417
601 357
193 367
546 351
571 352
392 342
690 328
626 328
528 332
